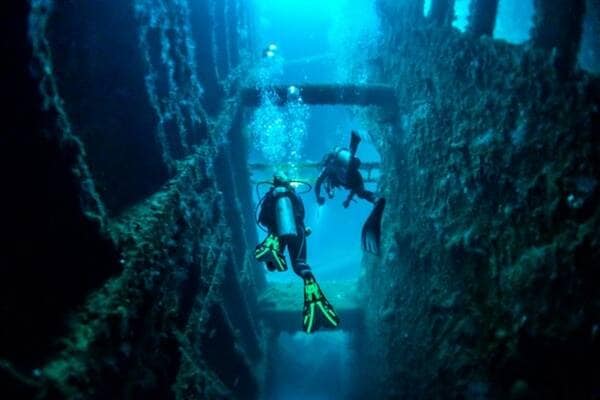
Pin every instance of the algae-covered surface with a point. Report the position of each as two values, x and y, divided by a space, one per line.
128 267
487 285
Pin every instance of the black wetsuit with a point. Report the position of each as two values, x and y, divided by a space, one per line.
296 245
341 168
335 174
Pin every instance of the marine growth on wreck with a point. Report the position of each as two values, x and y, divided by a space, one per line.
300 199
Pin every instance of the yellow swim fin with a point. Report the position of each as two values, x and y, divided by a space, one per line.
318 312
271 253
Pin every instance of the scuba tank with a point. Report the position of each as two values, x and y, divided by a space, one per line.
342 162
341 165
343 158
285 216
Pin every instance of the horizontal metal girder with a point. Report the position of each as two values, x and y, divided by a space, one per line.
305 168
332 94
267 167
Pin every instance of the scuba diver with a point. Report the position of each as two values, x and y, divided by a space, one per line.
341 169
282 214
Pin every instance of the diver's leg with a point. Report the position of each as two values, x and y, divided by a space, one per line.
358 187
317 311
297 250
366 195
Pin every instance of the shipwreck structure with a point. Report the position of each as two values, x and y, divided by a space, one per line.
127 271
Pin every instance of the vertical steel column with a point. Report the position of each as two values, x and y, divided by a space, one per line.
442 12
558 27
482 17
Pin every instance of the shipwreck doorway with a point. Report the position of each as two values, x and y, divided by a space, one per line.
334 251
334 245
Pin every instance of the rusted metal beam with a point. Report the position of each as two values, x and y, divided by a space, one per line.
442 12
267 167
332 94
482 17
367 167
558 27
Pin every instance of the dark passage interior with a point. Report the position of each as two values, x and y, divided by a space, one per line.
135 132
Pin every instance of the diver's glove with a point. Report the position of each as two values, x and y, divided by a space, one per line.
271 253
317 309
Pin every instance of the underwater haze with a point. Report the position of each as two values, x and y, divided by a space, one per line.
300 199
313 47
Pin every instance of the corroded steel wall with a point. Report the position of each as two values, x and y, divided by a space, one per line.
487 283
127 272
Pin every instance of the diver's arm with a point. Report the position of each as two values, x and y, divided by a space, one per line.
299 208
265 215
349 199
320 179
262 216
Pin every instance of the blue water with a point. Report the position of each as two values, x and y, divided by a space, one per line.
513 22
317 38
316 367
329 41
334 247
312 40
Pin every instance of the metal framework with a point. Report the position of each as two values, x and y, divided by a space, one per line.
331 94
